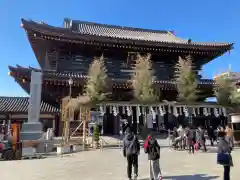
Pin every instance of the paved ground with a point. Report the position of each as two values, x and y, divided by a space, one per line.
110 165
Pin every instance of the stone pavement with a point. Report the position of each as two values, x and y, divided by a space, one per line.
109 164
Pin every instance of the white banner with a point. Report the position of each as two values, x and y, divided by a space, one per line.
35 97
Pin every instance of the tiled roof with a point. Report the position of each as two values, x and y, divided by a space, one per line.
77 76
20 105
76 28
97 29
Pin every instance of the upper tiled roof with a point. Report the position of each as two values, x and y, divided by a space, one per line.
20 105
112 32
121 32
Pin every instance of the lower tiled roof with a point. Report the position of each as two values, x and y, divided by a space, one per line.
66 75
20 105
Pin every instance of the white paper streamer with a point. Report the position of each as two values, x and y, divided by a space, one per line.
175 112
185 110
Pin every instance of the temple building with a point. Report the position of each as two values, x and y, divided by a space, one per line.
65 53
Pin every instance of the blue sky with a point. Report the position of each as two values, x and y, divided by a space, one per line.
205 20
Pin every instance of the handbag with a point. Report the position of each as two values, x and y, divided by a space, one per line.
223 159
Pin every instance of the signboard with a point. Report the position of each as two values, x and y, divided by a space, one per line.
35 97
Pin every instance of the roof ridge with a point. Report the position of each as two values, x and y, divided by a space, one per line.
19 97
120 27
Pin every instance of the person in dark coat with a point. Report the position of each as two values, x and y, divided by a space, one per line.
152 148
225 148
131 150
190 139
201 138
211 135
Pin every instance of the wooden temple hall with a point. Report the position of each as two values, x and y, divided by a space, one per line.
65 53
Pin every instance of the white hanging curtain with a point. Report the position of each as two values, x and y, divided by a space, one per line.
185 110
129 111
110 109
102 111
215 112
205 112
194 112
220 111
123 110
161 111
198 111
139 110
175 112
115 113
153 113
224 112
169 109
180 111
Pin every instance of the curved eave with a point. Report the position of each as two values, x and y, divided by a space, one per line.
61 78
64 34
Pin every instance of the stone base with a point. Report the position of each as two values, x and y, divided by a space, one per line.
28 151
31 131
64 149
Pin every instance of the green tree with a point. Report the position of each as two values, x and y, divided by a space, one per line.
96 133
143 78
227 93
186 80
96 83
144 91
223 90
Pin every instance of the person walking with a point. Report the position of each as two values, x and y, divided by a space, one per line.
190 139
131 150
202 139
152 148
229 135
224 157
211 135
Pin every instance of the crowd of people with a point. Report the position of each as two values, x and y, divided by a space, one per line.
182 138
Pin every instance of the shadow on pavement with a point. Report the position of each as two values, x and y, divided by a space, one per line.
189 177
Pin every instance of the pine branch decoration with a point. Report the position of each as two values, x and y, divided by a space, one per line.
97 79
186 80
143 79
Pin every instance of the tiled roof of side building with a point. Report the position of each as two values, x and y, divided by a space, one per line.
111 31
78 75
20 105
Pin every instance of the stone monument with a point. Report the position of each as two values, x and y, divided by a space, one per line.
33 130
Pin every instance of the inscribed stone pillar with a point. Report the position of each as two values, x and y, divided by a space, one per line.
32 130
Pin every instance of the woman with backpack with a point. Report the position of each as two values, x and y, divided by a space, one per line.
152 148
